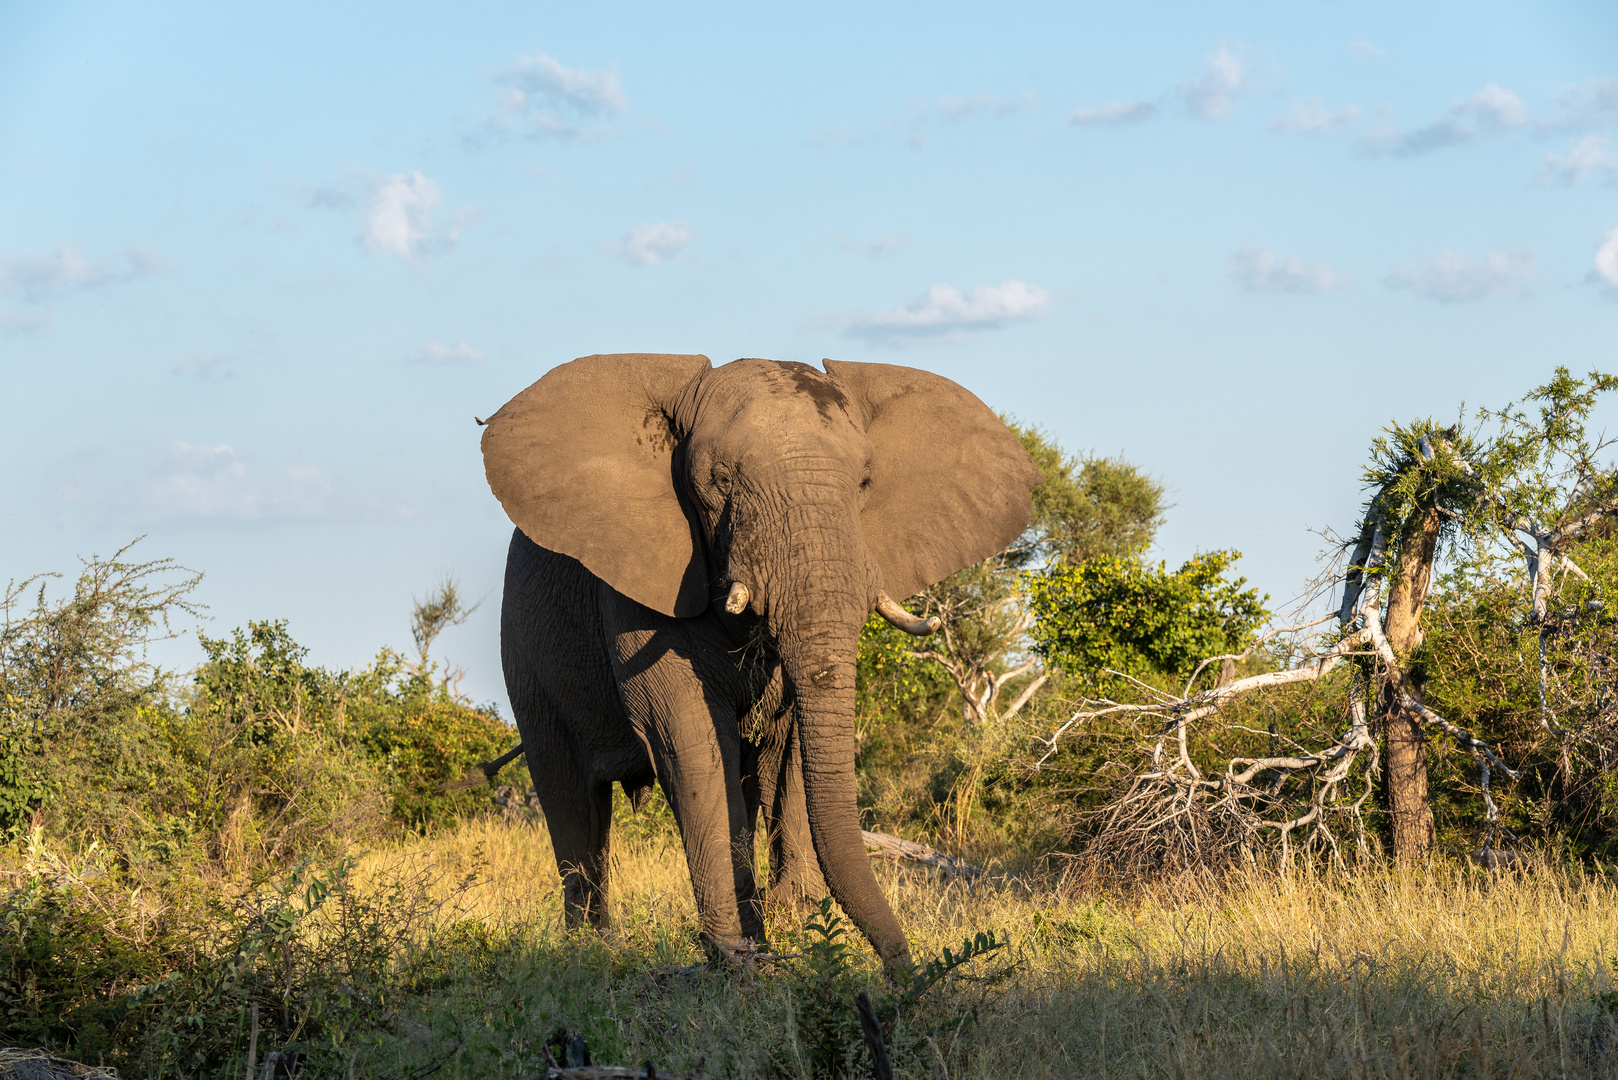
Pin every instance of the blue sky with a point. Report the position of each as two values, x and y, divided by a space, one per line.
259 268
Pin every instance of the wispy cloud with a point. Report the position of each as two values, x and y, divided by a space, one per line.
1115 114
1212 93
649 245
17 320
40 279
879 248
204 368
1364 50
1311 118
338 196
399 215
1258 269
973 106
1606 270
550 99
1590 158
201 481
1590 104
1453 278
437 354
1490 112
922 116
944 313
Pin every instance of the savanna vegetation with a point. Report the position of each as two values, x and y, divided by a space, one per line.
1371 836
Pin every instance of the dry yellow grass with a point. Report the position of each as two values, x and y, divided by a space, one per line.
1448 972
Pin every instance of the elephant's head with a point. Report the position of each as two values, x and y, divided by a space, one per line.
808 497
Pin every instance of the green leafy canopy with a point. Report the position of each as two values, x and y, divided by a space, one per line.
1117 613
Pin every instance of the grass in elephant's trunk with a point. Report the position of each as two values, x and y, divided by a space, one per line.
1381 974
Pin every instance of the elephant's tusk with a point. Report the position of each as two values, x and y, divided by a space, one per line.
736 602
898 616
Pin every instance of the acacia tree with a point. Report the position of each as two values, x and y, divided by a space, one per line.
1538 488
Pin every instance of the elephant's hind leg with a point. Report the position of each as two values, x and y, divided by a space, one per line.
580 820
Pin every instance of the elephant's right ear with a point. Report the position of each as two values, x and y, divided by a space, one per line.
583 463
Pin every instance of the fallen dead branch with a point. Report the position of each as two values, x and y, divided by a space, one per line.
39 1065
892 847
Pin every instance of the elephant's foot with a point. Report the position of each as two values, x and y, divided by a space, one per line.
583 904
744 954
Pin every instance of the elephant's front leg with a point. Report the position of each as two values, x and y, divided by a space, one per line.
692 736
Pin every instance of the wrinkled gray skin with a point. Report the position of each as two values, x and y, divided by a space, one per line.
644 487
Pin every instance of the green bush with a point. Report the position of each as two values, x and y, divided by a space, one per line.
1115 612
420 735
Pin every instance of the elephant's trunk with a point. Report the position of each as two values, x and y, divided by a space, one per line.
817 620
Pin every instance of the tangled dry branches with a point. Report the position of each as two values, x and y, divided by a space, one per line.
1175 815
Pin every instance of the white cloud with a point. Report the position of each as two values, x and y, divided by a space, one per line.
398 217
945 313
1212 94
1257 269
648 245
198 481
397 212
436 354
1364 50
1492 111
1607 260
973 105
559 101
44 277
1591 104
1589 158
1114 114
1311 118
879 248
1452 278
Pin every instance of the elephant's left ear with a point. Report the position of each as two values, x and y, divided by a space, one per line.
583 462
950 484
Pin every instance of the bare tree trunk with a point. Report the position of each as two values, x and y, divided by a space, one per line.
1414 834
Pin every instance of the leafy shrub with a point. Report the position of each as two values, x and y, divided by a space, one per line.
824 989
421 736
826 982
90 972
1114 612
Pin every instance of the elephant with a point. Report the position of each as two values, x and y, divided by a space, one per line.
696 550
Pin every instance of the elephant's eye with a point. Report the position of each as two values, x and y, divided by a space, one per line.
722 480
865 482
